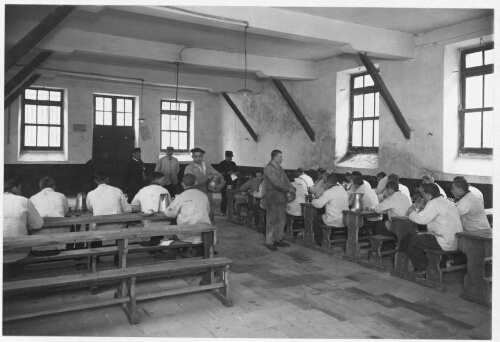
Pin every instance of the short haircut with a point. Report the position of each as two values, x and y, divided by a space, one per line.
188 179
47 182
332 179
300 170
459 178
431 189
348 173
392 185
155 176
393 177
260 171
381 174
197 149
428 178
357 180
100 175
10 183
357 173
291 176
461 184
274 153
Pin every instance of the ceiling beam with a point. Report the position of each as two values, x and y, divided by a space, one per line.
293 106
26 71
240 116
19 90
36 35
281 23
386 95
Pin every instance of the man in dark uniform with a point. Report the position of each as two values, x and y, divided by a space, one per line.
227 167
134 174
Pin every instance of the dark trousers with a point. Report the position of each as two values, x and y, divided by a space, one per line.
223 203
381 229
414 245
318 232
171 188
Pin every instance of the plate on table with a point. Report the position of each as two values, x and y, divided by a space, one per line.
146 214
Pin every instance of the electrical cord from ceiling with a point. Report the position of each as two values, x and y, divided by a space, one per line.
208 15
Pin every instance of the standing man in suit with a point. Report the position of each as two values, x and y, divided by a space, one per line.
134 174
169 166
227 167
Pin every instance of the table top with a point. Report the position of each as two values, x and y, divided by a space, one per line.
364 213
481 234
116 218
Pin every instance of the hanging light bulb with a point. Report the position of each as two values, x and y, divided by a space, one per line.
141 117
245 91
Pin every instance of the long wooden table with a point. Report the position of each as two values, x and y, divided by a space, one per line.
54 222
354 220
477 245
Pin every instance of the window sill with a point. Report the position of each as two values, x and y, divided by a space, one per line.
181 156
42 156
471 164
359 159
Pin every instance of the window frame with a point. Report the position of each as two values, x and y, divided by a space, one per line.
357 91
464 74
37 103
113 109
187 113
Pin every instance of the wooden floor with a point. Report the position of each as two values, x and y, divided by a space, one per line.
293 293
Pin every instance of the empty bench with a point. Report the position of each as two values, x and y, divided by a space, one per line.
441 262
381 246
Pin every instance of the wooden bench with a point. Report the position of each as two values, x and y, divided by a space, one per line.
126 278
339 237
437 266
378 242
290 229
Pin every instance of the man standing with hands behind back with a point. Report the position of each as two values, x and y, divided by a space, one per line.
227 167
277 185
169 166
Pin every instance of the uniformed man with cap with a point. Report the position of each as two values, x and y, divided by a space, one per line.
227 167
169 166
134 174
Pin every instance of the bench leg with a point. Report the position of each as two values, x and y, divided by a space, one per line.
222 293
433 272
130 308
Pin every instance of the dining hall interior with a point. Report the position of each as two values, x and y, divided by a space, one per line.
404 90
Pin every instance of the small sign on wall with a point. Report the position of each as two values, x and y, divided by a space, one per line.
145 132
79 128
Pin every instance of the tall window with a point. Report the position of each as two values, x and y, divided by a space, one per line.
42 119
175 125
113 111
477 98
364 123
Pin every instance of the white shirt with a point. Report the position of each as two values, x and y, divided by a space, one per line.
352 189
472 213
370 198
403 188
477 192
307 179
442 220
261 194
149 197
169 168
18 214
50 203
108 200
336 200
293 208
381 185
319 188
301 182
396 204
190 207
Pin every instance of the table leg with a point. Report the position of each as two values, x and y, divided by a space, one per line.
309 214
353 222
476 287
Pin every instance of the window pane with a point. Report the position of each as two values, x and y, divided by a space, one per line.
30 114
174 106
474 59
376 104
120 105
368 81
369 105
108 117
43 136
120 119
356 133
358 106
107 104
55 137
99 103
376 133
183 123
183 107
165 122
165 140
55 115
128 106
30 94
174 122
43 115
128 119
489 57
30 136
99 118
55 96
488 129
472 130
174 140
43 95
474 92
165 105
358 82
368 133
183 141
489 88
